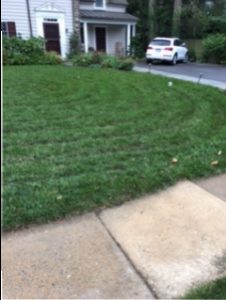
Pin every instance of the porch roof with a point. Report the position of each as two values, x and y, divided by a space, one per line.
107 15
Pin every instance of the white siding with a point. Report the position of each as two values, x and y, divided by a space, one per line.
116 34
109 7
65 6
16 11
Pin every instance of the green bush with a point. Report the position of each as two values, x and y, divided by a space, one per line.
214 48
101 60
110 61
126 64
83 60
192 55
50 58
74 45
217 25
17 51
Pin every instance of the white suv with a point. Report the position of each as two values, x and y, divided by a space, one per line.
166 49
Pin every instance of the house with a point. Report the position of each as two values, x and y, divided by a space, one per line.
105 26
102 25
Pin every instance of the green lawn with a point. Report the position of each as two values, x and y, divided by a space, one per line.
214 290
80 139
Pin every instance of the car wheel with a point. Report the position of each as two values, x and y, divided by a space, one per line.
185 60
149 61
174 60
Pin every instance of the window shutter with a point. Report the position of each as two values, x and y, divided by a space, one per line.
11 28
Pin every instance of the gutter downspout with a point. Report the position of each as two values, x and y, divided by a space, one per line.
29 18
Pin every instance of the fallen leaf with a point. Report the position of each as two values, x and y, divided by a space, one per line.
215 163
219 152
174 160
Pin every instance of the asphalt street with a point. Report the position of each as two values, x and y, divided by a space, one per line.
208 71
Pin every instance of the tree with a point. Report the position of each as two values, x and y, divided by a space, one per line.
177 7
151 18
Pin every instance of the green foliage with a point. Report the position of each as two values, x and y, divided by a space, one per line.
83 60
217 25
163 18
192 57
74 45
50 58
76 139
140 10
95 59
212 290
17 51
194 21
110 61
126 64
214 48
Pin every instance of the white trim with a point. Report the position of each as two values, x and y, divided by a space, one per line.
128 38
86 38
60 17
100 7
106 22
106 36
49 7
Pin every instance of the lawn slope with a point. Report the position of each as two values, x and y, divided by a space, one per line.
80 139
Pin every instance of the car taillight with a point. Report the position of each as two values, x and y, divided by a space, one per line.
169 49
149 48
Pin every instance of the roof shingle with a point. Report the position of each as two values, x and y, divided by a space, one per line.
106 15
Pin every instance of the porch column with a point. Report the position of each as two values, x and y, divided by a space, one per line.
128 39
134 30
86 42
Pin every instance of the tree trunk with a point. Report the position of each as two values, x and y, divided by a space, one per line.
151 18
176 17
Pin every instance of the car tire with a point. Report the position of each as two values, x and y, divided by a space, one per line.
185 60
174 60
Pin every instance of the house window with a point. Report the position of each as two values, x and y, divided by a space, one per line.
100 4
8 29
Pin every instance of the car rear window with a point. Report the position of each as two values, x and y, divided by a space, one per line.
160 42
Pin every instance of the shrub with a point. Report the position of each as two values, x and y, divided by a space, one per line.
17 51
217 25
214 48
74 45
50 58
110 61
83 60
101 60
126 64
192 55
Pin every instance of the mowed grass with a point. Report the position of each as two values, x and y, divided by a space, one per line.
213 290
80 139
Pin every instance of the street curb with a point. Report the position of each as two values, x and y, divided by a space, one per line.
218 84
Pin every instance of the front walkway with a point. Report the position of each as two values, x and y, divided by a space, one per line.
157 246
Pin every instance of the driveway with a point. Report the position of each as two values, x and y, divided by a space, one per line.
209 72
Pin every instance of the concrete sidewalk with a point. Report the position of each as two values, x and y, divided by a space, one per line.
203 81
155 247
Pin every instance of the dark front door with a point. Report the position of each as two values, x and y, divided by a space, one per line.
52 37
101 39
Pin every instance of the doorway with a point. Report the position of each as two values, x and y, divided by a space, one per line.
52 37
100 39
